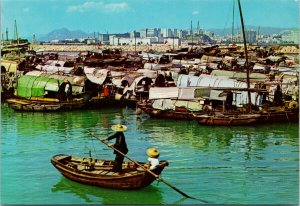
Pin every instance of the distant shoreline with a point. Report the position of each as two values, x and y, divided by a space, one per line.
146 48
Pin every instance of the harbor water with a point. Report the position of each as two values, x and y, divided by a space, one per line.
220 165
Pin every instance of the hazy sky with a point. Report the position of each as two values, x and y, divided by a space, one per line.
114 16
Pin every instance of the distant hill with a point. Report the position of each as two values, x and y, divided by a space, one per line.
262 30
63 34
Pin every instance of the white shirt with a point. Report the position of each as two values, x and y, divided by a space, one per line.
67 88
153 162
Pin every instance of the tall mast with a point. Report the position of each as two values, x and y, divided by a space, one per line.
6 34
16 32
246 55
232 28
192 34
257 39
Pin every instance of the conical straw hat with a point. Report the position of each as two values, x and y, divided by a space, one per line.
119 128
152 152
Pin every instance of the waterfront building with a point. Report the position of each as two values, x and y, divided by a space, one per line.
143 33
291 37
172 41
134 34
90 40
166 32
132 41
104 38
250 36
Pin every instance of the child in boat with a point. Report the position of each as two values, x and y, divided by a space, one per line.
153 155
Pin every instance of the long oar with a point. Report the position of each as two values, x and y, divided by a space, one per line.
152 173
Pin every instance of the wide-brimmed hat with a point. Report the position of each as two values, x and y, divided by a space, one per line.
152 152
119 128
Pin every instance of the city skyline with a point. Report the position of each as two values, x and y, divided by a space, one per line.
41 17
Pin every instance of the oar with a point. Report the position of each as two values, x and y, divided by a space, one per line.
152 173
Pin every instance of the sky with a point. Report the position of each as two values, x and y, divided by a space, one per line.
118 16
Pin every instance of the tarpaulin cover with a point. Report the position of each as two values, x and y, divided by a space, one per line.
239 75
35 86
163 92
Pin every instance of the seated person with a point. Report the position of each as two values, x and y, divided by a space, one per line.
153 155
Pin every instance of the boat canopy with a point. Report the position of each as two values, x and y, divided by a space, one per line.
184 93
152 66
205 80
137 84
237 75
77 82
54 69
163 92
36 86
98 76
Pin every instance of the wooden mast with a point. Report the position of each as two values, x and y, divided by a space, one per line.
232 29
246 55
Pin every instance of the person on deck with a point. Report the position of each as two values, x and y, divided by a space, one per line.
120 145
153 155
68 90
229 100
278 96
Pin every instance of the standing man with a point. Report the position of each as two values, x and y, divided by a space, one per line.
120 145
68 90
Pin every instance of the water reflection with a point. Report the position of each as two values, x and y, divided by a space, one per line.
246 139
91 194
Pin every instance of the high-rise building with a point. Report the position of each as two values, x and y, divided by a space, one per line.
143 33
103 38
250 36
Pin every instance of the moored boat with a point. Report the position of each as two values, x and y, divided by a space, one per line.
223 119
44 105
279 115
99 172
179 113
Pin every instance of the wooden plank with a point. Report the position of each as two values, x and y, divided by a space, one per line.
104 172
111 173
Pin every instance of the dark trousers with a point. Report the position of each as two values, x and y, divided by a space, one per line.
117 167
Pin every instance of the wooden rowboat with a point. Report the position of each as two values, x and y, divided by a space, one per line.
98 172
227 119
20 104
178 113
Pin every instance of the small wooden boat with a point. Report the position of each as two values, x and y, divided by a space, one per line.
179 113
227 119
279 116
20 104
98 172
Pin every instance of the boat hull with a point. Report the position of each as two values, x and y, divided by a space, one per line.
168 114
131 178
228 120
279 117
43 106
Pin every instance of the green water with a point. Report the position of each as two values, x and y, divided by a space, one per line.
221 165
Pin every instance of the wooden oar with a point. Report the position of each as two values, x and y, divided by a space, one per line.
152 173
